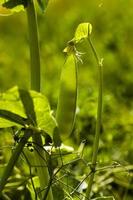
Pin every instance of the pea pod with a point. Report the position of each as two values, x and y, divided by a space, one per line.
66 107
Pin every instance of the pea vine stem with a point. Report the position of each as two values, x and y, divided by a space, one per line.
98 121
34 47
42 172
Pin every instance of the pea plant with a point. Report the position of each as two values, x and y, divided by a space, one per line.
39 136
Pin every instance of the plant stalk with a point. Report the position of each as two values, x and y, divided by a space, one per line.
34 47
42 172
98 121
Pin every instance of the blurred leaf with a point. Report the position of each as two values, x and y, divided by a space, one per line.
82 32
58 192
28 104
43 4
104 198
12 117
14 3
13 104
5 11
44 118
11 6
36 186
66 148
10 102
56 137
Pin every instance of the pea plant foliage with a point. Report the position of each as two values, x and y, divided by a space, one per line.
38 135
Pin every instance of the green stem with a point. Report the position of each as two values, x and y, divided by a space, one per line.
98 122
43 173
14 158
34 47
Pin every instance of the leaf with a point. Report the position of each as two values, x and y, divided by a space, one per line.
10 102
28 104
82 32
12 117
56 137
4 11
14 158
44 118
37 111
104 198
11 6
43 4
13 3
30 186
60 194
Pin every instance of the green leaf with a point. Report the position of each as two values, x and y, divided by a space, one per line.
4 11
43 4
44 118
12 117
9 101
31 105
13 3
28 104
11 6
30 186
60 194
104 198
56 137
82 32
13 159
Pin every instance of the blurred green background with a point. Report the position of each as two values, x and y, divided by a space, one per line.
113 38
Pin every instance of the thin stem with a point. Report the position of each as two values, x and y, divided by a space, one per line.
35 85
98 122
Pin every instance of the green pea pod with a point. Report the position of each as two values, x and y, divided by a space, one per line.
66 107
